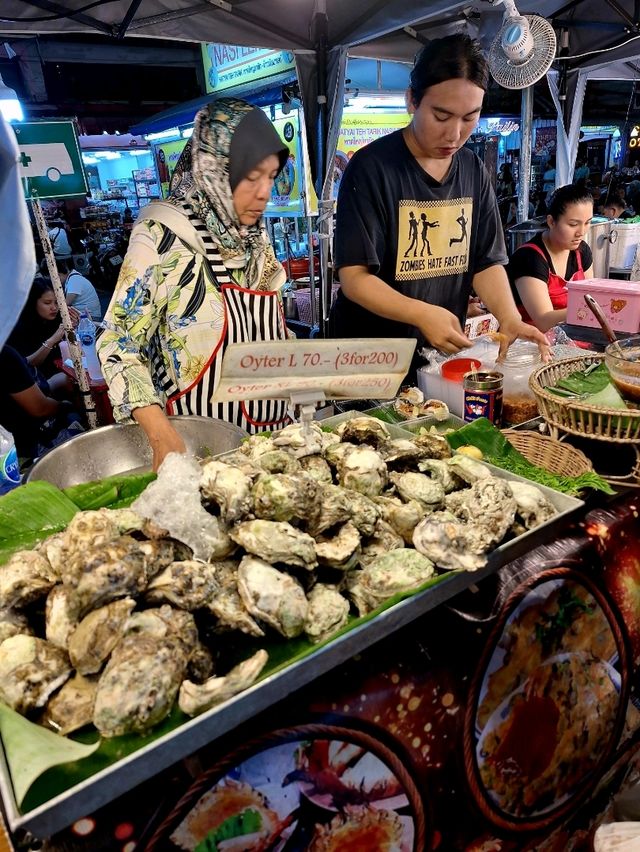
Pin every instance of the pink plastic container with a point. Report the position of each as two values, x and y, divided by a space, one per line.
619 300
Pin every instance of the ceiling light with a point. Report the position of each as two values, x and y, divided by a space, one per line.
88 160
172 133
186 134
10 106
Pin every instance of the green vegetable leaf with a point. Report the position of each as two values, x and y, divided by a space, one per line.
248 822
115 492
30 513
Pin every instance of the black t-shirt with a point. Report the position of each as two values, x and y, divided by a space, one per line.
17 375
425 238
527 262
27 337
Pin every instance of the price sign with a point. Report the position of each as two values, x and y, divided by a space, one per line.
343 369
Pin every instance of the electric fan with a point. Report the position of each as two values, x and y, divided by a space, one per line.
522 52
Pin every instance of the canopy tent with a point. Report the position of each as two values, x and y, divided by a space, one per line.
321 32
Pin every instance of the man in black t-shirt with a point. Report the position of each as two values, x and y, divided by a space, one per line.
423 174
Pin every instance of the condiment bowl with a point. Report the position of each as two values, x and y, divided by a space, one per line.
622 359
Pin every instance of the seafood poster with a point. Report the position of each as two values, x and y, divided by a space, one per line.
503 720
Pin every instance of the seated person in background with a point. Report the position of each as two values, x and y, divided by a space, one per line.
38 332
27 409
539 270
79 292
615 207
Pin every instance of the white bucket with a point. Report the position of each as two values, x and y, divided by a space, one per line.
624 242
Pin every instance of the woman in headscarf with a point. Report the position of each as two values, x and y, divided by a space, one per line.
200 273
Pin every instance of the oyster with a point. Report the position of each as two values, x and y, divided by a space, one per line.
363 470
333 506
300 439
489 503
173 502
442 473
401 453
186 585
256 446
336 452
86 531
317 468
384 539
272 596
196 698
359 827
531 504
279 461
435 446
364 512
276 541
229 488
13 622
71 708
201 664
403 518
467 468
417 486
341 550
363 430
96 636
139 684
227 604
53 548
282 497
328 612
451 543
242 462
30 671
58 618
26 577
395 572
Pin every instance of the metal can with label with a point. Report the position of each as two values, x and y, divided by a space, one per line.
483 395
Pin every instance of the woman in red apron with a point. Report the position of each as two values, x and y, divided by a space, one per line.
539 270
200 273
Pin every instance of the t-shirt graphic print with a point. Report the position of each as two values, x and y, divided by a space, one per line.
433 238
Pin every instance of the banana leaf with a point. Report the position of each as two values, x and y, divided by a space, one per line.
30 513
495 448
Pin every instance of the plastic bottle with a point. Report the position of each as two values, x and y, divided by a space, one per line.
9 468
87 337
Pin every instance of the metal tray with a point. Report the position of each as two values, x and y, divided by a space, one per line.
113 781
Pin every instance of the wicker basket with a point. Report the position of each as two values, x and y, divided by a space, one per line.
575 416
549 454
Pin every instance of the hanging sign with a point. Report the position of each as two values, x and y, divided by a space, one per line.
227 65
286 195
358 130
343 369
50 161
167 155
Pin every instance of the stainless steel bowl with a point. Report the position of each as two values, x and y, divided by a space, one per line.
124 449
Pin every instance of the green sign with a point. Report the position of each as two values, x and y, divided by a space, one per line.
50 160
227 65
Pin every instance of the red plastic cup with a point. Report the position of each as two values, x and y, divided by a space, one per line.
455 369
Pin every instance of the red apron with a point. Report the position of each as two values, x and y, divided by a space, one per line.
556 284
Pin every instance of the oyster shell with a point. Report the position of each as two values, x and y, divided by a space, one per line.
186 585
531 504
335 453
201 664
71 708
272 596
173 502
317 468
384 539
341 550
283 497
31 669
276 541
364 512
227 604
394 572
96 636
196 698
451 543
428 492
363 430
58 618
363 470
442 473
229 488
401 453
139 684
403 518
242 462
53 548
328 612
279 461
359 827
257 445
26 577
86 532
435 446
333 506
13 622
300 439
468 469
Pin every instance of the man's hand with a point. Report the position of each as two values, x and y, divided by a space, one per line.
514 329
441 328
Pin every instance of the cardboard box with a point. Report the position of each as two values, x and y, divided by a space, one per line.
619 300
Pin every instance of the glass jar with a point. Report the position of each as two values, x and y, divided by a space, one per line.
518 403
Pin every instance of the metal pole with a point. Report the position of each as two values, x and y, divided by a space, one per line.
74 348
526 134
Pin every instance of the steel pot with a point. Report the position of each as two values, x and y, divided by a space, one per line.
118 449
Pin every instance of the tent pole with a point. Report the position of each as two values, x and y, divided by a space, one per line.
526 133
321 32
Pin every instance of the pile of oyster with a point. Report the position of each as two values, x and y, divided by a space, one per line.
103 623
